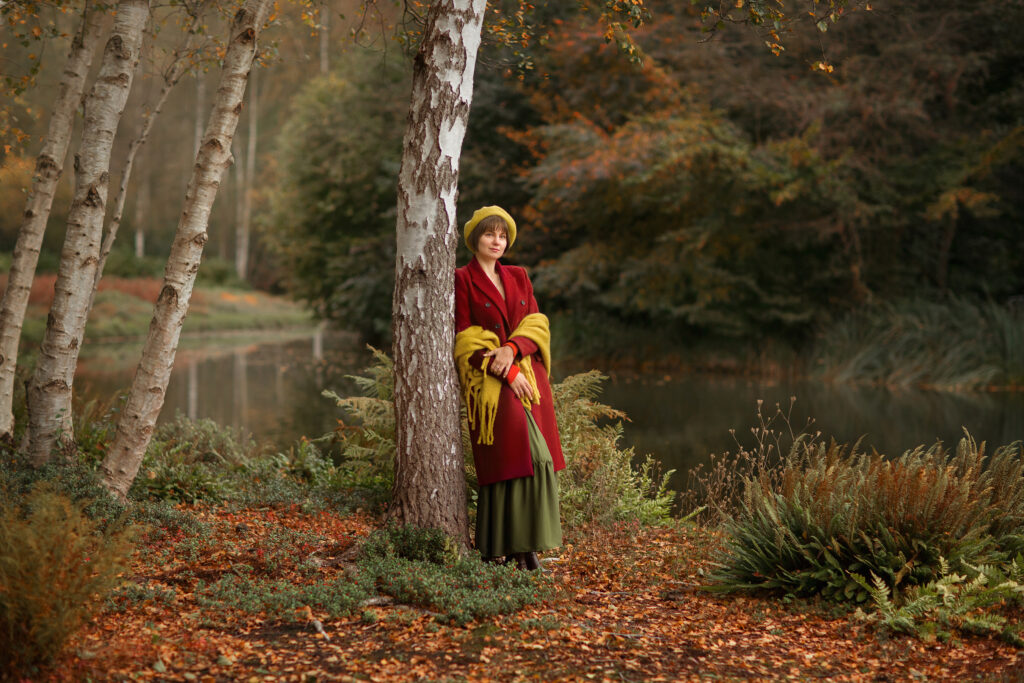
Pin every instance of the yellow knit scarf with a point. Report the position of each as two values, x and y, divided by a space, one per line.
481 390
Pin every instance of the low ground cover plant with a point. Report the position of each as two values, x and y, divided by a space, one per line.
56 565
412 566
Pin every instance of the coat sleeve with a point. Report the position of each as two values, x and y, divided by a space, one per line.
525 346
464 316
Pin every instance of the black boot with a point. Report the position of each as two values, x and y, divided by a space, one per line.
532 561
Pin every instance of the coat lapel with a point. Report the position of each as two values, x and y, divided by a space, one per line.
487 288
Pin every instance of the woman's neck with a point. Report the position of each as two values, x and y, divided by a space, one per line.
488 265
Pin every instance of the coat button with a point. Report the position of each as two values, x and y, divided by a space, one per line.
522 301
487 304
496 326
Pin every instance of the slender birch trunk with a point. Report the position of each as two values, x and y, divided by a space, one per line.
172 76
429 479
239 183
49 167
244 226
142 208
200 108
325 36
49 391
149 387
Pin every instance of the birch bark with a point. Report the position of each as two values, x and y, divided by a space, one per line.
244 226
172 75
146 397
49 391
429 479
49 167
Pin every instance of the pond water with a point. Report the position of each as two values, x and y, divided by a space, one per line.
270 386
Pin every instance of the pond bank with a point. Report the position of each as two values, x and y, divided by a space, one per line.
123 309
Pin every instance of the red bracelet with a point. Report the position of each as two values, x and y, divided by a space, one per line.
513 372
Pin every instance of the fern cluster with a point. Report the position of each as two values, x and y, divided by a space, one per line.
824 515
850 526
368 444
952 602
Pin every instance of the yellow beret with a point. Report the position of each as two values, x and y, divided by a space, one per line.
483 213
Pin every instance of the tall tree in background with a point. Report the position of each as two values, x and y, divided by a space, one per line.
146 398
49 167
429 479
243 226
49 391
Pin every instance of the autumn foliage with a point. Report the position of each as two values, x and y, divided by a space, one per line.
56 566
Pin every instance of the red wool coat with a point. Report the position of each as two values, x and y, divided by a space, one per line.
478 302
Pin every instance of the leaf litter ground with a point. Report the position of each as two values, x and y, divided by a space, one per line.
627 607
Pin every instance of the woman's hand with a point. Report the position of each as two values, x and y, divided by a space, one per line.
502 358
521 386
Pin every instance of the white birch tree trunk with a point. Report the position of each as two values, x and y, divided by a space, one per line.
49 391
325 36
172 76
429 480
49 167
142 208
239 185
200 108
146 398
244 226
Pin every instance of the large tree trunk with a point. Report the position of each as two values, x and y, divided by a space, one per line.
49 392
429 480
244 225
149 387
49 166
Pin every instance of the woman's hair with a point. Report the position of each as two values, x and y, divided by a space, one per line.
495 223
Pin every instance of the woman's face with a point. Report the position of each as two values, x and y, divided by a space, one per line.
491 244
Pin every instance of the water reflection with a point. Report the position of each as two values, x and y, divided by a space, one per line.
682 420
271 387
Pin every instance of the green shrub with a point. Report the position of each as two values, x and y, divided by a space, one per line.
282 599
600 483
283 547
414 566
459 592
218 272
55 566
410 542
124 263
75 480
162 519
191 461
826 520
130 594
423 567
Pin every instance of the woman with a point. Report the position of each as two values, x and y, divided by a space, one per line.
502 351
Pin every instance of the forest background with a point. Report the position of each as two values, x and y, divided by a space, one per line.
841 199
708 195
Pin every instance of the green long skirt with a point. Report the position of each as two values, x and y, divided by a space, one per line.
521 515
